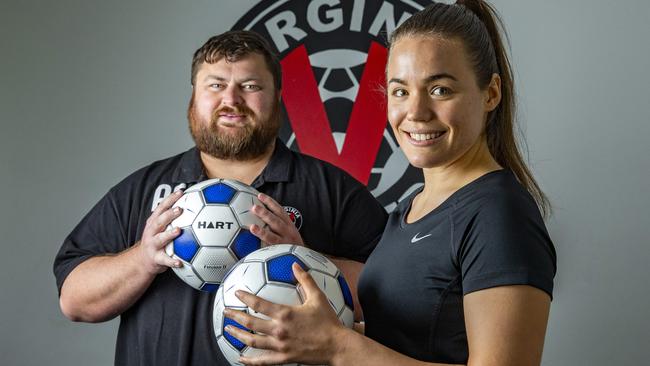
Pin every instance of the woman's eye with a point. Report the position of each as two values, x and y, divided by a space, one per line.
440 91
399 92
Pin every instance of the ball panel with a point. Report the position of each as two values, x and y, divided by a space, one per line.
217 313
315 260
347 294
191 203
247 276
169 248
347 317
187 275
185 245
330 286
269 252
215 226
241 186
211 263
209 287
279 269
218 193
254 352
229 352
245 243
280 294
239 345
242 205
200 185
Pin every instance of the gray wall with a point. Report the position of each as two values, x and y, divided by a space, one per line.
92 90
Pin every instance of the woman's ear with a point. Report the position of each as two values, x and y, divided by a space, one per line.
493 93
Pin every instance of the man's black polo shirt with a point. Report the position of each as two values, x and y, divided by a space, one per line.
171 324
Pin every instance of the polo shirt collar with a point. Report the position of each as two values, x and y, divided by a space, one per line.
280 165
190 168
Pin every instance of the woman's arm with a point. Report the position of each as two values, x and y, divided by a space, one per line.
309 333
506 325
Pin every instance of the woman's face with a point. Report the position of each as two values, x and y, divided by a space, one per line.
435 106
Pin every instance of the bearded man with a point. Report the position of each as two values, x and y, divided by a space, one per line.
114 264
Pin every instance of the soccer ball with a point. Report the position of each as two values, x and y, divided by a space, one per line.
267 273
215 232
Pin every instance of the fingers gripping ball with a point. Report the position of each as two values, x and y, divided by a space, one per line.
267 273
215 232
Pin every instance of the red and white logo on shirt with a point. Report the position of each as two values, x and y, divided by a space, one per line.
294 215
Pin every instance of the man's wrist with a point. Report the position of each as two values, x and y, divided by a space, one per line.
138 258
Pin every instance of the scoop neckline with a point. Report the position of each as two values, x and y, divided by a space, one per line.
446 202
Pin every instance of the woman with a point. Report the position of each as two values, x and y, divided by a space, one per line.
464 271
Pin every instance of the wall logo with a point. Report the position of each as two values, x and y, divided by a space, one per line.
294 215
333 56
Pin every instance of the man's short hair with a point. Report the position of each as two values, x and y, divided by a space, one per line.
234 45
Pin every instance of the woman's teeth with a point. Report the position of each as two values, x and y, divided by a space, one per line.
425 136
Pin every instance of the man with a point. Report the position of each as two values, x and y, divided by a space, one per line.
113 263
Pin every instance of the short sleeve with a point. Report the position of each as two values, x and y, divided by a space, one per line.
506 243
99 232
359 222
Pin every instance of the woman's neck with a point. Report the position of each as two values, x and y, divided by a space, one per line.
441 182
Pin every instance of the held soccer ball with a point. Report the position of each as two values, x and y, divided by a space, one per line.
267 273
215 232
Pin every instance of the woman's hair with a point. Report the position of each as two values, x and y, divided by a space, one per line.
479 27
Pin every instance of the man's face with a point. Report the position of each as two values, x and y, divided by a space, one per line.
234 112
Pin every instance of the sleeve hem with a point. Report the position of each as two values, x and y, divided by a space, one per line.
64 271
533 279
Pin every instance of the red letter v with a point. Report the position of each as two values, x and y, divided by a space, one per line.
309 120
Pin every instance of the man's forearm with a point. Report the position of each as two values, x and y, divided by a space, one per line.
103 287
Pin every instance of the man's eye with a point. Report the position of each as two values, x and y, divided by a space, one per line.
440 91
251 87
216 86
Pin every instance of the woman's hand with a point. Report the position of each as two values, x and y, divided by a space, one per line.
308 333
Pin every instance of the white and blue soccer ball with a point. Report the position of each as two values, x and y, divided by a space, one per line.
267 273
215 232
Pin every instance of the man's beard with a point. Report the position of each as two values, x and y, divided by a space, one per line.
249 142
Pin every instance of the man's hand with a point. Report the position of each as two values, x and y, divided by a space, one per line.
279 227
155 238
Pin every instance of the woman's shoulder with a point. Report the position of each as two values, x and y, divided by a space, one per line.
499 187
495 194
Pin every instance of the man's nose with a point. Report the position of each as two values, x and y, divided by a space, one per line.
231 96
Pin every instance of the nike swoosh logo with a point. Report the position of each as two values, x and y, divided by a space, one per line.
415 238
